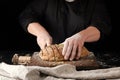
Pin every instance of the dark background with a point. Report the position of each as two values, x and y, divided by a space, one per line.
13 38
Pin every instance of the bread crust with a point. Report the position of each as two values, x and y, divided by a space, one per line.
54 53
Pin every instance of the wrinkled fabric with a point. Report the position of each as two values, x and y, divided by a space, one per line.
61 72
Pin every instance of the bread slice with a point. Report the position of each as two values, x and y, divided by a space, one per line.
51 54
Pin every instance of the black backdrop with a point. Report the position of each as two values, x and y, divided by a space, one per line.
14 38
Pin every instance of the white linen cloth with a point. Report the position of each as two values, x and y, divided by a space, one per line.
61 72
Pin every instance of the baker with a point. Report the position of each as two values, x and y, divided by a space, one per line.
71 22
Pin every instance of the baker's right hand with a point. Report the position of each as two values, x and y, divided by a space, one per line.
43 40
43 37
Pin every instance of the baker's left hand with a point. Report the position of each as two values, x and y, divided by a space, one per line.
72 47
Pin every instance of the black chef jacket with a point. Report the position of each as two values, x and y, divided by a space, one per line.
63 19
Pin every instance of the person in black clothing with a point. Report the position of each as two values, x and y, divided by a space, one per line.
73 23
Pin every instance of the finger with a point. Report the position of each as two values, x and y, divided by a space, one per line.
48 43
43 45
79 52
68 52
73 52
65 48
39 45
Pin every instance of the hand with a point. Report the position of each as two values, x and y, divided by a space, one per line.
72 47
43 40
43 37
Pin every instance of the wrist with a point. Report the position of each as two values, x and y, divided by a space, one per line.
37 29
90 34
83 35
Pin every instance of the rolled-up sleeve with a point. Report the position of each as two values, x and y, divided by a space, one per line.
101 18
32 13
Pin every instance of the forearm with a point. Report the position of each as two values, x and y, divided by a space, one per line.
36 29
90 34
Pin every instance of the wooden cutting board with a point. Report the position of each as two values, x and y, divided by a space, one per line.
88 62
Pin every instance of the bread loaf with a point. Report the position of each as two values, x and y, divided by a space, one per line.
54 53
